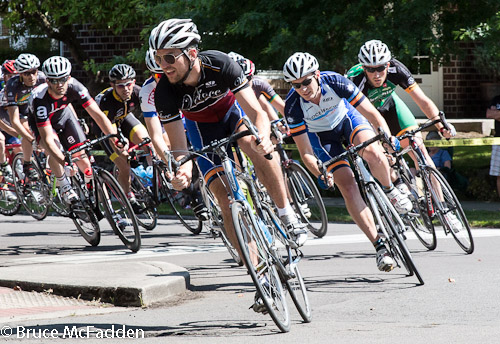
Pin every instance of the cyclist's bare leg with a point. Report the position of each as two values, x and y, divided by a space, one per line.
2 148
356 206
375 157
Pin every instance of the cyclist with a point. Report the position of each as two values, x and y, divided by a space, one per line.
322 110
54 120
159 137
118 103
377 75
265 93
7 134
18 90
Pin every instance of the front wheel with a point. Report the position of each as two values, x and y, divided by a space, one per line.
307 200
118 210
449 210
259 262
83 215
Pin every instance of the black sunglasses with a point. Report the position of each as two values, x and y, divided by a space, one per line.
168 58
58 80
306 82
376 69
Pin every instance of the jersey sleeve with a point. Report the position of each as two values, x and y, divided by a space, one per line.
294 114
233 74
147 100
167 109
264 88
402 77
344 88
79 93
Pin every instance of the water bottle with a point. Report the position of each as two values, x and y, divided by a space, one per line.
149 175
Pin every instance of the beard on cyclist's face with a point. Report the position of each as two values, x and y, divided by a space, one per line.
58 90
174 71
30 77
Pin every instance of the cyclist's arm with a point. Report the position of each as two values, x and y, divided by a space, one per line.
15 120
154 129
373 116
100 118
178 143
425 104
266 106
49 140
306 153
278 103
8 129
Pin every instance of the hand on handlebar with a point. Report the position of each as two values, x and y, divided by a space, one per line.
182 179
265 147
451 132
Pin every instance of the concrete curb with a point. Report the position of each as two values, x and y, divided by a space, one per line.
120 283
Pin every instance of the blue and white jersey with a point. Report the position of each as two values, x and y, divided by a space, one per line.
338 96
147 97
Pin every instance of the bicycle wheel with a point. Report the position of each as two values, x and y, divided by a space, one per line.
118 210
174 197
34 195
449 210
387 217
418 219
9 201
288 264
307 200
83 215
216 223
145 208
259 262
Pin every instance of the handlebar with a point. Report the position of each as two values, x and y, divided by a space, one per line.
430 123
89 144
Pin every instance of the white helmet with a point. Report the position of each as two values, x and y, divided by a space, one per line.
174 33
374 53
235 56
247 66
56 67
299 65
151 63
25 62
121 71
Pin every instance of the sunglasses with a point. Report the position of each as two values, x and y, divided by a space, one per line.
306 82
376 69
58 80
30 72
168 58
125 84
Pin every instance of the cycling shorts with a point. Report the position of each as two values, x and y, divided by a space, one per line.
129 126
66 126
9 139
201 134
328 144
397 115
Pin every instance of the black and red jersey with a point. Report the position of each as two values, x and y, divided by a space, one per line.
210 100
46 109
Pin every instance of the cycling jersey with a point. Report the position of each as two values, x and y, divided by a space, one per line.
147 97
262 87
211 99
115 108
338 96
395 112
48 110
18 93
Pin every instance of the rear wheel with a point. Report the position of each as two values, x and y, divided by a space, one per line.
118 210
34 195
307 200
9 202
259 262
450 211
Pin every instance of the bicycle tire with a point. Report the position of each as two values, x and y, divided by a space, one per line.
8 207
289 272
146 212
305 193
385 214
418 219
450 204
253 244
83 215
215 214
33 195
118 209
192 224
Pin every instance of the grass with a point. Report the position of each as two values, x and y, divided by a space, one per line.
477 218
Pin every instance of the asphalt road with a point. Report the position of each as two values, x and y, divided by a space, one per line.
352 301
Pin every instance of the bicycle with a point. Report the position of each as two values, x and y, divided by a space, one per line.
435 196
99 197
258 231
306 198
9 201
387 220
